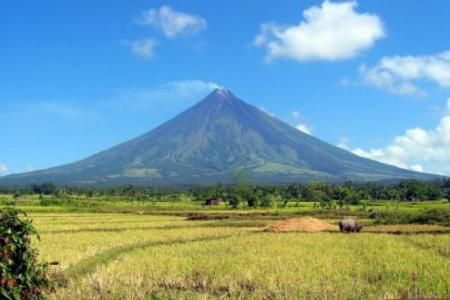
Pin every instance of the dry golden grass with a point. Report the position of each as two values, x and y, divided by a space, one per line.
142 257
409 228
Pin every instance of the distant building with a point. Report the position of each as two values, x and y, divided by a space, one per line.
213 201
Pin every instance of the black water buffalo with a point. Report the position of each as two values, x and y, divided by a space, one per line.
349 225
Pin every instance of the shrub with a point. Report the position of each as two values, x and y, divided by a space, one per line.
267 201
433 216
49 202
21 276
352 198
234 200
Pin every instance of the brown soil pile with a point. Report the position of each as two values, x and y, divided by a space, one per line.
306 224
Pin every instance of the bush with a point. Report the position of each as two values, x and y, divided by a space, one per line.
352 199
49 202
21 276
433 216
267 201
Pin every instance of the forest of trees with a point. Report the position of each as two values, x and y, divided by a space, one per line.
257 195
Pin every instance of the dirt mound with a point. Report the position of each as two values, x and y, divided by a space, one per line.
306 224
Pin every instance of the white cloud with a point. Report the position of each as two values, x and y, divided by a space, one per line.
400 74
186 88
417 168
171 22
304 128
333 31
295 115
262 108
170 93
144 48
417 149
343 143
44 109
295 118
63 109
29 168
3 169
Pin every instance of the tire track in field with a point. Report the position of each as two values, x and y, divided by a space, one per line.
89 265
108 221
119 229
152 227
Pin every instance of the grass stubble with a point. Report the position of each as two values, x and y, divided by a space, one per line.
119 256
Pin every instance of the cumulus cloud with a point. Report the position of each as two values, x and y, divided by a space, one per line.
144 48
3 169
304 128
417 149
171 22
332 31
401 74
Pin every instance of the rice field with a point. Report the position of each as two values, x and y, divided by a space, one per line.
127 256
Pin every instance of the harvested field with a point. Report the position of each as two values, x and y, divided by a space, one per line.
232 255
117 256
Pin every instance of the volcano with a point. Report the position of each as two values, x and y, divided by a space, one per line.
208 143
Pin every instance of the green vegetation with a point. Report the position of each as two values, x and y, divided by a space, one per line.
405 202
323 193
21 276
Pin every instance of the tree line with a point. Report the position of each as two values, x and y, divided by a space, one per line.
253 195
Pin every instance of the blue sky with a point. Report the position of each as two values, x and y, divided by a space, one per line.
80 76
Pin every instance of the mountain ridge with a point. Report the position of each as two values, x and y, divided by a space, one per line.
208 142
